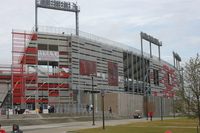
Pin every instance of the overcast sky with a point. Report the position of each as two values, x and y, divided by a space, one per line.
174 22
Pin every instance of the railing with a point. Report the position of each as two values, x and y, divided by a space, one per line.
92 37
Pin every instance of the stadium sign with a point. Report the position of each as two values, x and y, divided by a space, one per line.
44 55
150 39
58 5
176 56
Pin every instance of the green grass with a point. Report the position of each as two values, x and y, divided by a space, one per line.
176 126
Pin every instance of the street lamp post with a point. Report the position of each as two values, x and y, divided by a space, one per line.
8 100
93 121
147 107
174 115
161 108
102 102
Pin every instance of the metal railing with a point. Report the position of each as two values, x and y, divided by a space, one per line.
89 36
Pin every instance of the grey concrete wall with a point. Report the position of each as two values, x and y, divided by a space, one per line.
3 91
129 103
155 106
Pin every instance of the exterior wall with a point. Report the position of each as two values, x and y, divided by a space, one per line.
56 77
154 105
124 104
129 103
68 91
154 76
101 54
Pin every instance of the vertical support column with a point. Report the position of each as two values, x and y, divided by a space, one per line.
132 68
127 64
37 69
161 108
159 50
174 60
137 77
78 99
102 102
36 17
142 67
146 104
24 71
12 72
150 50
149 74
93 123
77 22
174 113
8 101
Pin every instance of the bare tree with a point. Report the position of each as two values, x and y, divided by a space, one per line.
191 94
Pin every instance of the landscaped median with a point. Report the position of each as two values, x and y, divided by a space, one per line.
182 125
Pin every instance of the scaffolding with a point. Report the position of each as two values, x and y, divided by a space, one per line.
39 77
22 58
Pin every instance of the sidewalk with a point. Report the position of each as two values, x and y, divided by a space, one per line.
71 126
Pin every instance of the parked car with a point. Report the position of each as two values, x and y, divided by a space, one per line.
137 114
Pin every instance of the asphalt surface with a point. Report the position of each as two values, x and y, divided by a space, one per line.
70 126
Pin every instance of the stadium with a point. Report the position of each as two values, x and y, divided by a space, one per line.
70 69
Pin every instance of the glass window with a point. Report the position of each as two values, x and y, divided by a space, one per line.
42 46
53 48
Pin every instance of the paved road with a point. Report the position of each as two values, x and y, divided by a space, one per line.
63 127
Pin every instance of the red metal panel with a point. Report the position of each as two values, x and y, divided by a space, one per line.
87 67
112 74
63 53
60 75
28 59
29 101
64 85
46 85
17 94
17 100
34 37
5 77
31 50
53 93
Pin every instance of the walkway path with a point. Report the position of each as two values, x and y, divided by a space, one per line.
63 127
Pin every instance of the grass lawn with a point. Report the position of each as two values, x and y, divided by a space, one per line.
182 125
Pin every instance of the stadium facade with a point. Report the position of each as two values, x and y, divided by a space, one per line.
63 69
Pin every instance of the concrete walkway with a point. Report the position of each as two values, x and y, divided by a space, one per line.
63 127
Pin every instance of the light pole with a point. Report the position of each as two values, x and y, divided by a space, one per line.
102 102
174 115
9 100
93 122
182 79
161 108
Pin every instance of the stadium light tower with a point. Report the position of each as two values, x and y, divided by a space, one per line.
155 41
57 5
177 60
